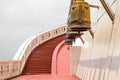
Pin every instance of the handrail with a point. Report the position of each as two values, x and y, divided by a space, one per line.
108 9
9 69
14 67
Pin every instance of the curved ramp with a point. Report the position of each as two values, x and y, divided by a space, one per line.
46 77
61 60
40 59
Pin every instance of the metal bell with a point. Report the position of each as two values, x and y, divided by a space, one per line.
68 41
78 21
78 0
80 16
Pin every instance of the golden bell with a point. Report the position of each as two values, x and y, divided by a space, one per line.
71 35
80 16
68 41
79 0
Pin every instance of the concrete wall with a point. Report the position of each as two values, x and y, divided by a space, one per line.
74 59
100 57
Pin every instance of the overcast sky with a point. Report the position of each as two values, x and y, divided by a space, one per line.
20 19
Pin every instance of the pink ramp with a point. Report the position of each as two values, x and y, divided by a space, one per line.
61 60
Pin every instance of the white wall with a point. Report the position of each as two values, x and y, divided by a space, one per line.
100 58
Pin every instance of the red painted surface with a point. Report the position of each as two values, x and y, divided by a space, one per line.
40 59
60 65
61 60
46 77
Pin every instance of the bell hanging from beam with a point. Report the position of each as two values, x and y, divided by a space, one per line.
79 16
78 21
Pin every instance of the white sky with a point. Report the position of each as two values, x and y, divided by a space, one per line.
19 19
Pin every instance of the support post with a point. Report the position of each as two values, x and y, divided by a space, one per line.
108 9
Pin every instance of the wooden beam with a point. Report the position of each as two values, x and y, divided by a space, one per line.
94 6
108 9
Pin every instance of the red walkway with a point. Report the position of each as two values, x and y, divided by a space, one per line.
46 77
60 66
61 60
40 59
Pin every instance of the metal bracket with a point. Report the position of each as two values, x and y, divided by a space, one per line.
81 39
92 33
